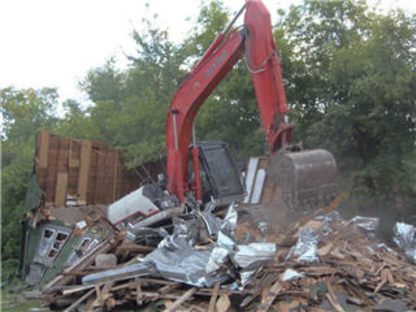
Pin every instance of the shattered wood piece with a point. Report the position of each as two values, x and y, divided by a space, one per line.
73 306
332 298
157 281
336 237
356 291
153 295
102 295
381 284
223 304
266 282
208 292
109 303
132 285
181 300
60 302
98 290
89 306
271 295
139 295
213 299
334 303
194 308
386 275
168 288
75 289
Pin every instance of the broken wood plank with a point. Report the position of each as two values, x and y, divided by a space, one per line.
84 170
102 295
61 189
169 288
330 295
181 300
271 295
139 295
73 306
213 299
76 289
42 157
223 304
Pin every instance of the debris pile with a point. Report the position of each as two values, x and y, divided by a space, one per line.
196 263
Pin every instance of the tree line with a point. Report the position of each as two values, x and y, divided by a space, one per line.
349 74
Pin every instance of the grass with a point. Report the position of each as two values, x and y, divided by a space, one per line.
12 300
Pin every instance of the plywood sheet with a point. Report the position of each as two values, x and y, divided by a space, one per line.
83 172
43 148
61 187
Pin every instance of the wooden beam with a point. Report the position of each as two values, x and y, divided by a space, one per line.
73 306
43 149
271 295
139 292
60 190
181 300
84 170
213 299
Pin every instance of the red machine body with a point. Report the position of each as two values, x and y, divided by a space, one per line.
255 40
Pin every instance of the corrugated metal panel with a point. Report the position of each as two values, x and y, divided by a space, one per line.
250 177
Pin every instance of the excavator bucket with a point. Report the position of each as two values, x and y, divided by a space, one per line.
306 180
281 189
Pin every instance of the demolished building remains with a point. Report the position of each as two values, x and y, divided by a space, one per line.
209 258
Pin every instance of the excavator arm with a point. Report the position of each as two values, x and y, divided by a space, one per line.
255 41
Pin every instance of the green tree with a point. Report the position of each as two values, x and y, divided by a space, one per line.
25 112
351 74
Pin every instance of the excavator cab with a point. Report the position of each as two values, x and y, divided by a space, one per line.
221 179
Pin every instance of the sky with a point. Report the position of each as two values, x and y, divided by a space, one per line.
50 43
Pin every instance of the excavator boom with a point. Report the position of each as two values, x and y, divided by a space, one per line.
254 41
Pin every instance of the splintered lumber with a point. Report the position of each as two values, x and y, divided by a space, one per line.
332 298
181 300
213 299
354 272
168 288
76 289
270 296
102 295
139 295
73 306
223 304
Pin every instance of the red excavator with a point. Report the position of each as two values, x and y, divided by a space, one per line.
207 171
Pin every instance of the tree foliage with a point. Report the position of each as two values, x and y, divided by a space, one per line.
353 78
24 113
